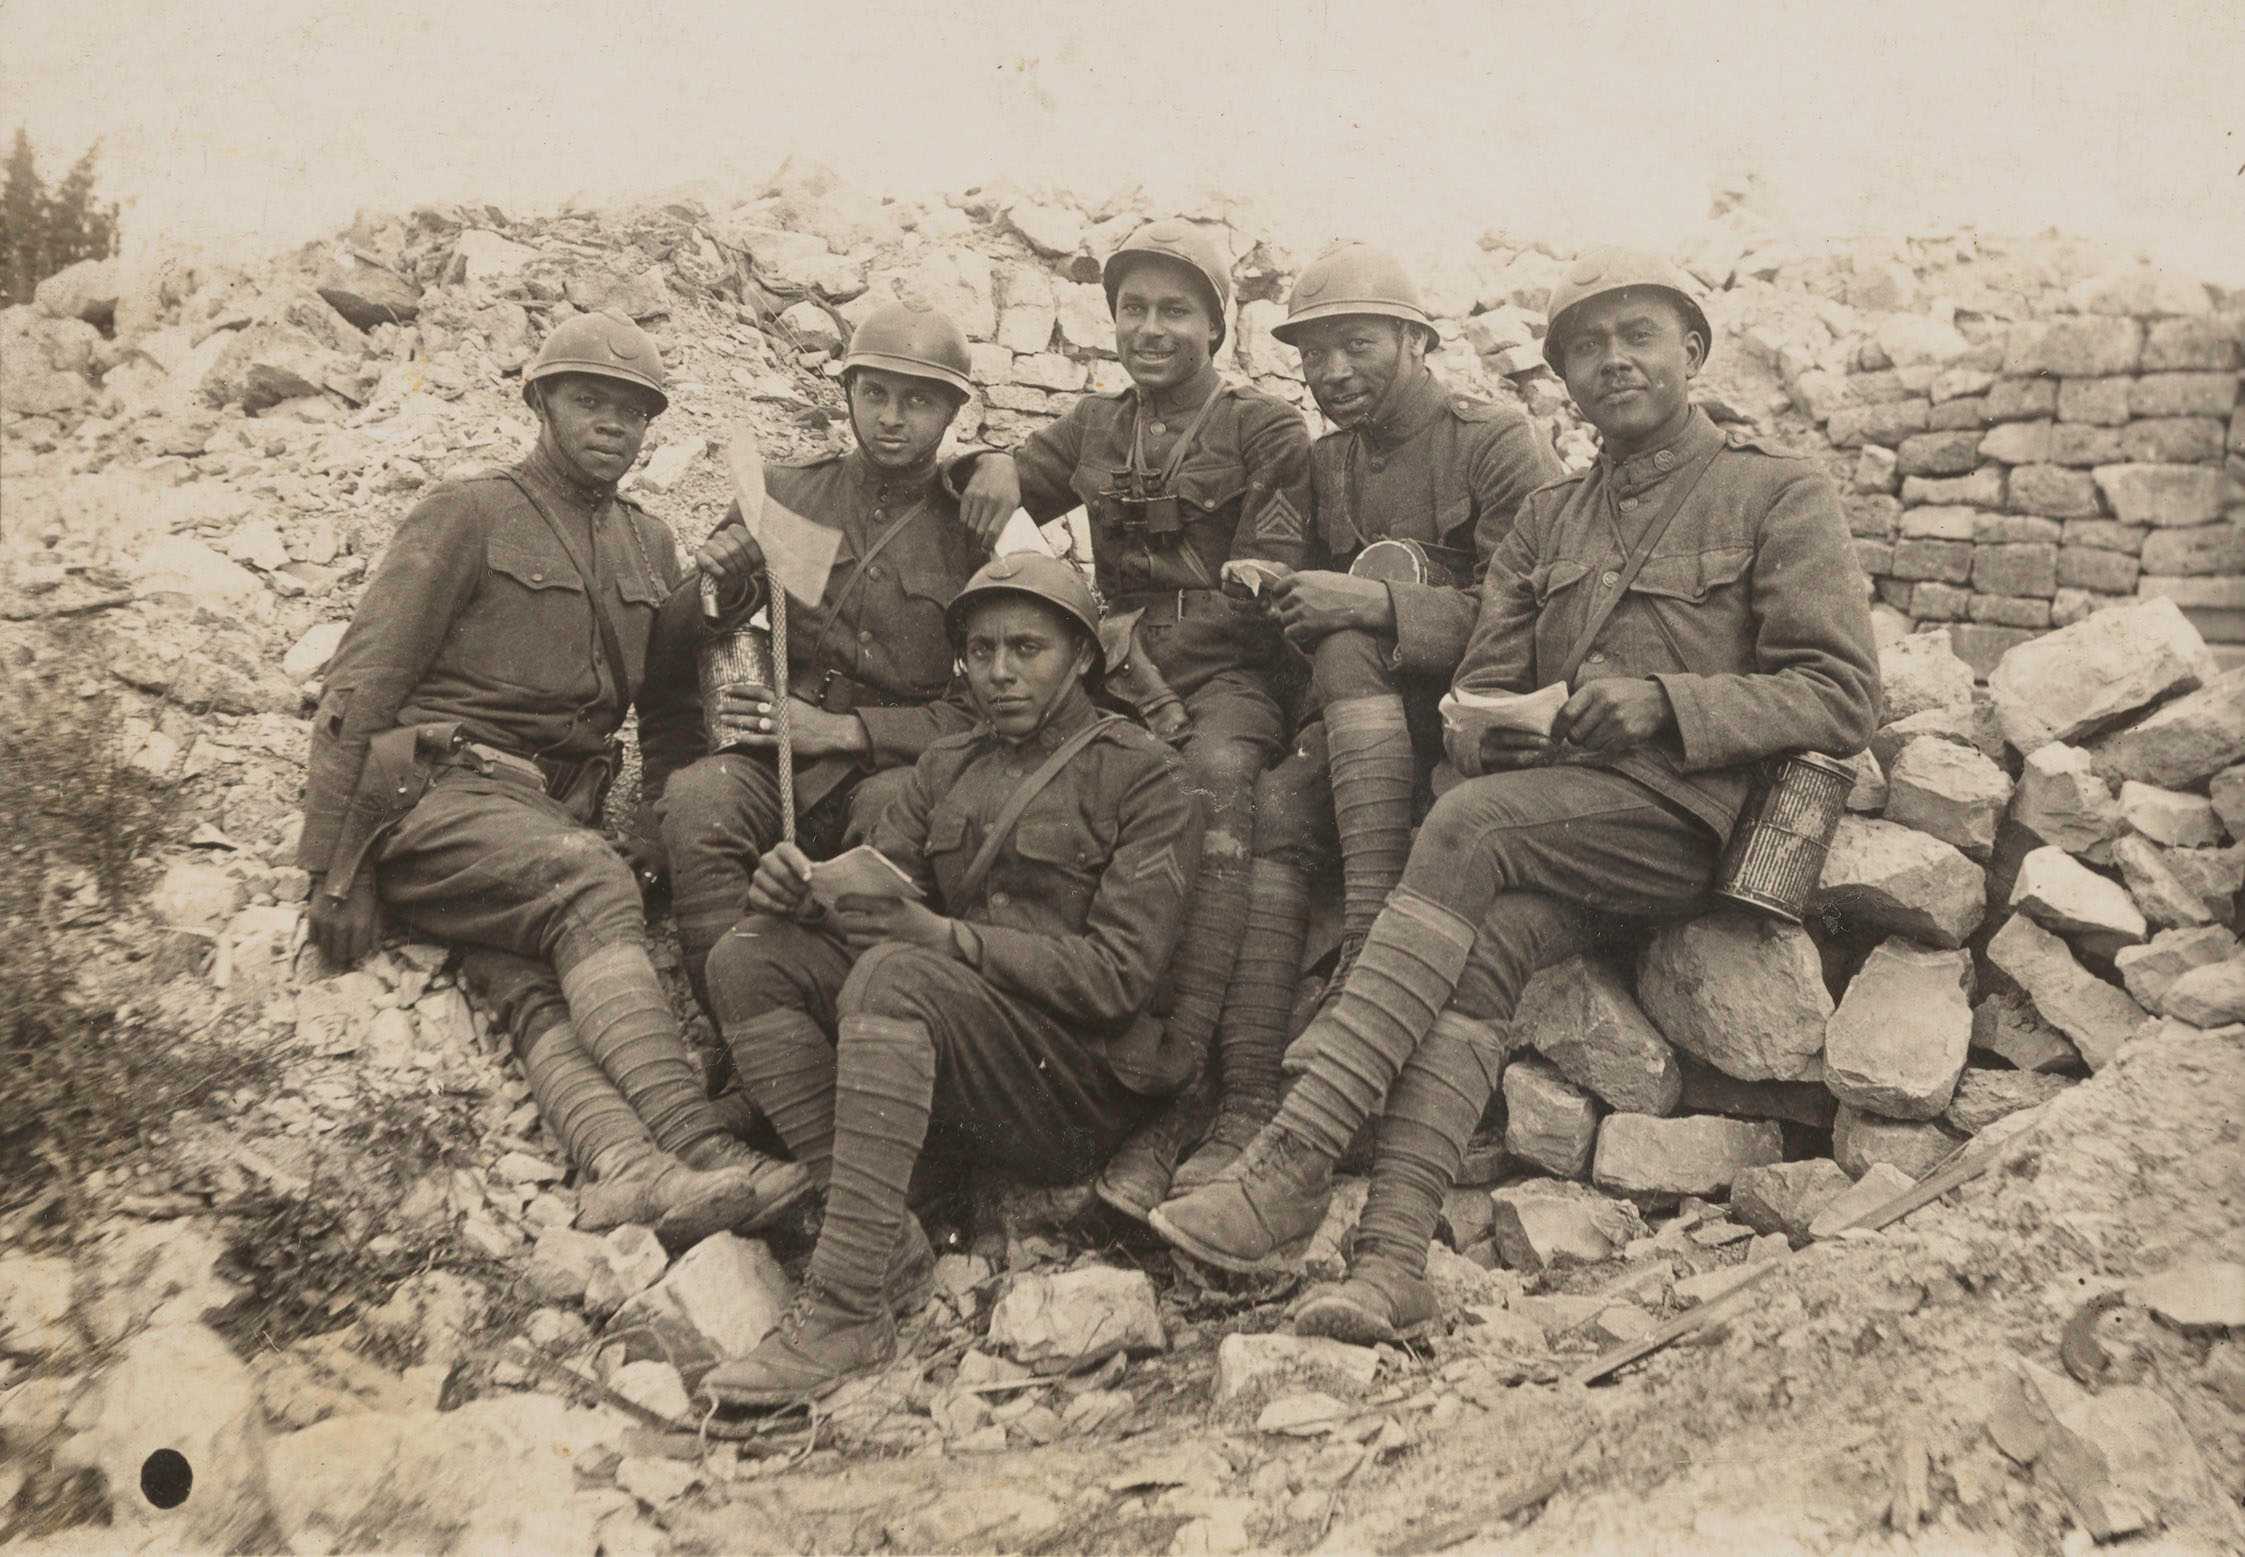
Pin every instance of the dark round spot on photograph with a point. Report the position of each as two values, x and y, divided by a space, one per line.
165 1478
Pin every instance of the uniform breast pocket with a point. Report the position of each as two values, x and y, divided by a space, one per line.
1692 576
1056 866
1210 490
1552 579
920 646
530 624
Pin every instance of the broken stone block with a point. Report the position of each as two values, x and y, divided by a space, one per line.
656 1386
1880 875
2209 996
722 1297
1710 1285
2095 1017
1900 1035
2065 896
2083 679
1867 797
1951 723
1581 1016
2202 1297
2226 791
2074 347
1064 1322
1658 1161
2185 743
1785 1197
1549 1122
2062 802
2149 969
631 1261
1951 792
2161 494
1919 673
1245 1361
1985 1095
1708 1091
1548 1224
1743 992
811 328
1879 1183
2121 1458
1860 1141
562 1264
368 294
2175 887
2007 1026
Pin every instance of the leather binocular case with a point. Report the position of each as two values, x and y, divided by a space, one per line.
1156 518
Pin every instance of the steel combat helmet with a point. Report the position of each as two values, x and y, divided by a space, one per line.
912 339
1056 583
1179 241
1614 270
1352 278
606 345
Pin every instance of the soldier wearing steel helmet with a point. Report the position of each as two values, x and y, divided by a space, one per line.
1424 476
1180 473
1698 595
463 745
997 1014
869 669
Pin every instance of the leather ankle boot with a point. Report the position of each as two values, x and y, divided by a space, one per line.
1272 1196
1379 1302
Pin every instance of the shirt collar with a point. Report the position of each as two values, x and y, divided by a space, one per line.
1649 467
1411 407
896 485
1182 399
558 479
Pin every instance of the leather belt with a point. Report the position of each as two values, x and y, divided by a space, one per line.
1174 605
841 694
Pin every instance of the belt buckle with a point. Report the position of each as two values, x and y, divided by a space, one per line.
825 698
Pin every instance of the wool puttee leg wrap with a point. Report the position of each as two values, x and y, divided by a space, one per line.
1431 1113
787 1069
626 1024
884 1093
1372 768
579 1104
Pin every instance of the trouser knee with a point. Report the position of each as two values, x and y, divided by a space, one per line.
870 800
1222 771
1350 663
723 804
901 983
1294 812
595 899
519 996
760 964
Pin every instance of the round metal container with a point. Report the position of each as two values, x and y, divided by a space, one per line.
742 658
1776 853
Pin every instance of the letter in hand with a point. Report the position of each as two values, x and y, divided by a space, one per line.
347 928
782 883
990 496
1485 731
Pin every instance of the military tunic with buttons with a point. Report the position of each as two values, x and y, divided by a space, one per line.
1447 472
873 646
476 615
1049 1046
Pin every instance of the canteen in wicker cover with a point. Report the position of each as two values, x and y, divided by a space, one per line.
1775 857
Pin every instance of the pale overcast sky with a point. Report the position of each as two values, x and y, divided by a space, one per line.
274 121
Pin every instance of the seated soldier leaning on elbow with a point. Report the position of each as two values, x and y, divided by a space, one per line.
1012 1018
1700 597
460 755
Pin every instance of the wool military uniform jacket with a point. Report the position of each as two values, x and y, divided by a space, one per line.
879 624
1244 490
1750 613
1439 468
1080 913
476 614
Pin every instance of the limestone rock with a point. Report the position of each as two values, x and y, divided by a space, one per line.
2062 802
1950 792
2095 1017
1549 1122
1878 1183
811 327
2121 1458
1984 1096
1708 1091
195 894
176 1387
2064 896
562 1264
1867 797
2162 494
668 465
2082 679
1880 875
2007 1026
431 1317
1740 991
312 651
1245 1361
368 294
1785 1197
1899 1037
632 1260
2176 887
1060 1323
2186 742
1661 1160
2149 969
35 1303
722 1297
2085 347
86 290
1919 673
333 1015
180 565
2209 996
1581 1016
1860 1141
1548 1224
2205 1296
2226 790
486 256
